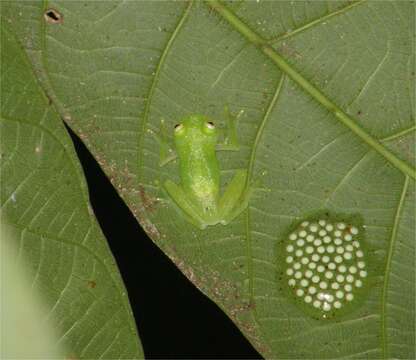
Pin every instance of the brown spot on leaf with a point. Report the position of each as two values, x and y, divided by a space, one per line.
148 203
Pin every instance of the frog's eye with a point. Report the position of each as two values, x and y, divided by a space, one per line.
178 128
209 127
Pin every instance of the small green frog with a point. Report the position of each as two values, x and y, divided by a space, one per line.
198 195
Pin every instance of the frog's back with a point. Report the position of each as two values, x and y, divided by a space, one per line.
196 148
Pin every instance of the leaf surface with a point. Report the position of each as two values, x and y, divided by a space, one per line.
44 200
328 124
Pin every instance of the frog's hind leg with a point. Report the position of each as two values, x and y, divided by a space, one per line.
184 204
235 198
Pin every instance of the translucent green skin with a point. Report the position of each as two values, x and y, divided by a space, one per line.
198 194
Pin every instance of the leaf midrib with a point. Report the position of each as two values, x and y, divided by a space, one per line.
309 88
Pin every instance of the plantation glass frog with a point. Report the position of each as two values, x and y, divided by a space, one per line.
198 194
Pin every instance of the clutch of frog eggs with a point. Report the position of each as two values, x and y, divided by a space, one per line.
325 266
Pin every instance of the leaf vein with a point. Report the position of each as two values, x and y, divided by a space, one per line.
156 80
388 268
250 270
309 88
344 178
399 134
372 75
315 22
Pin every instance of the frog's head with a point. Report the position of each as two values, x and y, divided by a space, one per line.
196 128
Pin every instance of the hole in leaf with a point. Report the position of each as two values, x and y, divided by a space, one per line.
52 16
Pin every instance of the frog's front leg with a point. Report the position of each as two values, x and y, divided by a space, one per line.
184 203
166 153
230 141
235 198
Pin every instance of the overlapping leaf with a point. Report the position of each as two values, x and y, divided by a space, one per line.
44 201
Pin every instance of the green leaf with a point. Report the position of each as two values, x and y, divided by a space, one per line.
44 200
328 125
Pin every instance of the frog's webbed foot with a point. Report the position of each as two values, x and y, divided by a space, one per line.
230 134
166 153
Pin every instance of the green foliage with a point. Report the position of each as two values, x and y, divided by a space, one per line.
22 309
328 125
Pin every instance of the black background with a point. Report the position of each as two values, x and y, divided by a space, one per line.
174 319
